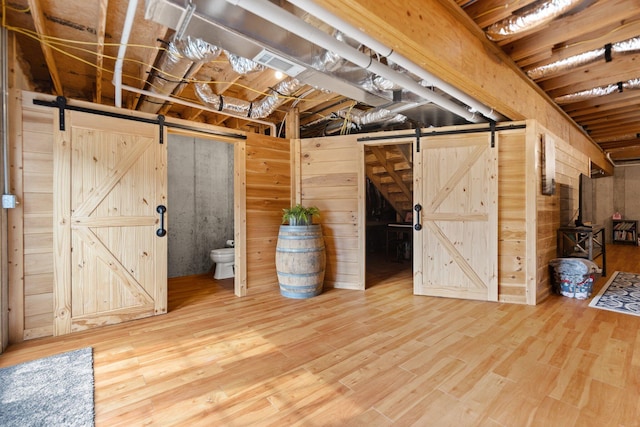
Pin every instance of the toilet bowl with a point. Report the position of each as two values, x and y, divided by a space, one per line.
224 259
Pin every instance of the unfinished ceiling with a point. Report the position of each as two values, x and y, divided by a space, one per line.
215 61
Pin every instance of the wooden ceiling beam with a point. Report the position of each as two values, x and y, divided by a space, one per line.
597 75
597 15
602 103
629 152
41 29
620 144
606 115
486 12
439 37
590 41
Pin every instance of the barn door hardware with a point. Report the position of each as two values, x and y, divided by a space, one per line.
417 208
492 126
161 232
161 123
62 104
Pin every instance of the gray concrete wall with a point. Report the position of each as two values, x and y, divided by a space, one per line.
200 202
618 193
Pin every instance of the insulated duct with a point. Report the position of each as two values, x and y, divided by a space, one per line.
632 84
241 108
387 52
243 65
333 63
363 118
530 18
182 60
606 53
297 26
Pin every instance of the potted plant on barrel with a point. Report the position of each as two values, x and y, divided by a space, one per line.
300 253
299 215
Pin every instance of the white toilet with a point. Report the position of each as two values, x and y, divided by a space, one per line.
224 259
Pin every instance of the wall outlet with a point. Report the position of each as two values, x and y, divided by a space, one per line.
9 201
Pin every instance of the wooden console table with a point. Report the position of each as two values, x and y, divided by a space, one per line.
583 242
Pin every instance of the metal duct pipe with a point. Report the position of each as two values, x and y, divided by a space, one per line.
355 33
606 53
530 18
363 118
632 84
243 65
241 108
197 106
314 35
182 59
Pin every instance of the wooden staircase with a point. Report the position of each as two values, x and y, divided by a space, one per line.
390 169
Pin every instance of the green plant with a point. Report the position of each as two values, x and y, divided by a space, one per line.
299 215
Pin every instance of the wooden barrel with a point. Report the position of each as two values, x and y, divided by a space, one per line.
300 260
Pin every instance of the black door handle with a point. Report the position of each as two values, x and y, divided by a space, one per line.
417 208
161 232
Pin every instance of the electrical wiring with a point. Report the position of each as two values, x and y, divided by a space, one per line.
344 130
60 41
65 46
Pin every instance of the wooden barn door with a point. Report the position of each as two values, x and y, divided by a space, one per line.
110 263
456 184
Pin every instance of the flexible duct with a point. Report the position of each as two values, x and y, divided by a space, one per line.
243 65
363 118
295 25
256 110
530 18
385 51
607 53
333 63
182 59
632 84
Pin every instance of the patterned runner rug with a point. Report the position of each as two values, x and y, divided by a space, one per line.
621 293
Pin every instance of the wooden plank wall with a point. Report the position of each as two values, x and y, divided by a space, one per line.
268 181
512 220
557 210
329 177
31 223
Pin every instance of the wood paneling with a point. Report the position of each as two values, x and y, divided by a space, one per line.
332 178
31 223
30 238
442 39
512 219
267 190
559 209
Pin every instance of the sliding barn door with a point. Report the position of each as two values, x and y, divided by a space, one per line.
457 187
110 262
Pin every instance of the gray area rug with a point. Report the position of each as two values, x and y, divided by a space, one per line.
621 294
53 391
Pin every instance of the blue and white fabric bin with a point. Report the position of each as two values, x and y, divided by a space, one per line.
574 277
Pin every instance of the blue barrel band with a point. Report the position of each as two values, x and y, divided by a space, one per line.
298 237
299 250
315 273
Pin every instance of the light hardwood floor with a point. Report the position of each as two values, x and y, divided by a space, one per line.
374 358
